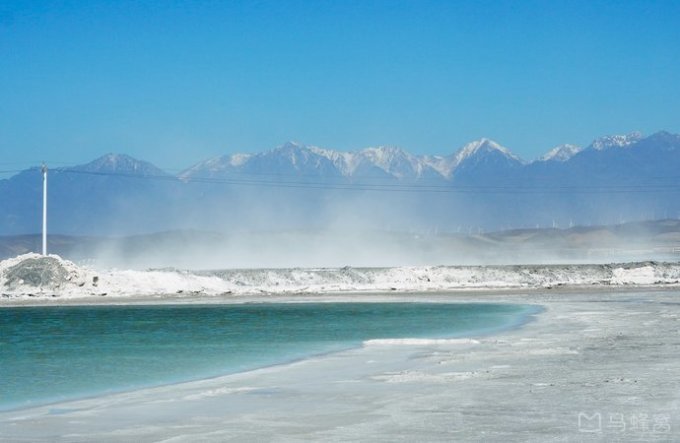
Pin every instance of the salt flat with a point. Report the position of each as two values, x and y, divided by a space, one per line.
595 365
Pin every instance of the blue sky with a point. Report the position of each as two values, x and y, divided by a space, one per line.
176 82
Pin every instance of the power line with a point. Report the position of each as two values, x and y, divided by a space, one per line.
396 187
364 184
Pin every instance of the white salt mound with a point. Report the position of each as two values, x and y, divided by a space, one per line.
34 273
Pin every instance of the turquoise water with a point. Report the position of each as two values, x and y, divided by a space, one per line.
50 354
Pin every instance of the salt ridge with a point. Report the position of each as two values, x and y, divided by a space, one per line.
86 282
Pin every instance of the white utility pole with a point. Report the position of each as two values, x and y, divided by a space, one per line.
44 220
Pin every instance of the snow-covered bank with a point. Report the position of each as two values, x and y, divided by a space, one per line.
32 275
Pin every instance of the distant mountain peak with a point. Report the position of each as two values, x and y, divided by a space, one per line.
481 146
120 163
561 153
616 141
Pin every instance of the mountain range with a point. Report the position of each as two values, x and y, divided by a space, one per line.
388 161
481 186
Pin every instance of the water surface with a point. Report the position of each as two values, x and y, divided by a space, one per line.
50 354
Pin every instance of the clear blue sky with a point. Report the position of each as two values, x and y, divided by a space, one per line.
176 82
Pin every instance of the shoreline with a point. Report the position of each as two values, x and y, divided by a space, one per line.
610 354
520 319
340 296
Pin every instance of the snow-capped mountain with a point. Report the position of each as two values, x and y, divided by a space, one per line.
119 163
561 153
381 160
483 147
390 161
296 186
615 141
291 158
483 161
